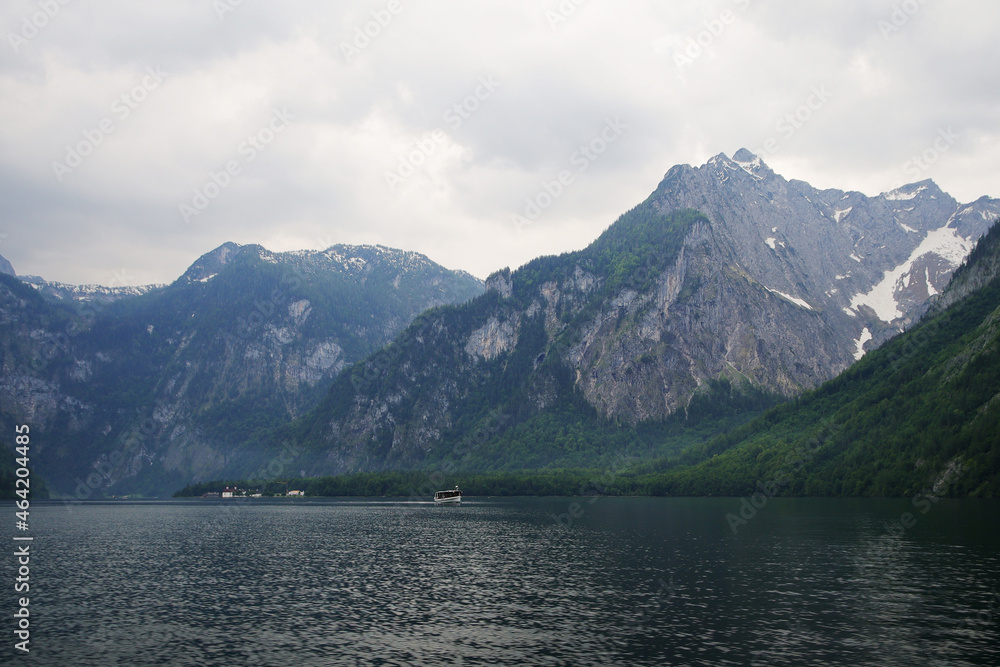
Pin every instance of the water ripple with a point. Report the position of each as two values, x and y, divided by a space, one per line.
631 582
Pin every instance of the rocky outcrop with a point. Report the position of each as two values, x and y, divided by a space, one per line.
492 339
645 355
5 267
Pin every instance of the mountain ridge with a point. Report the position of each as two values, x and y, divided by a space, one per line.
754 286
727 290
152 386
843 225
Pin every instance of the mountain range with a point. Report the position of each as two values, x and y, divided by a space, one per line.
727 273
154 385
727 291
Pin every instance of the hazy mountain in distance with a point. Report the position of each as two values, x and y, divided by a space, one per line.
157 384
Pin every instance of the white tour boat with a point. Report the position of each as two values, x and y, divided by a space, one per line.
453 496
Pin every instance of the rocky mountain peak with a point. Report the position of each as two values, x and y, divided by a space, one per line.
869 262
5 267
501 283
903 197
727 275
211 263
723 167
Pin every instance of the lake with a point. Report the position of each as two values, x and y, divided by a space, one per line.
507 581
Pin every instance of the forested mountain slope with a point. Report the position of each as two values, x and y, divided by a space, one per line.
150 387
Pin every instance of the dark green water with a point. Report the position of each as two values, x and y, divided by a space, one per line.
629 581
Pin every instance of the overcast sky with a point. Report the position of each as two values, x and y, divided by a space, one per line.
136 136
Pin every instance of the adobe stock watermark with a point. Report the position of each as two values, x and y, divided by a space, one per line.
248 150
121 108
60 344
263 311
983 618
364 35
102 477
434 480
917 165
121 278
272 470
666 591
408 162
794 461
793 121
581 159
223 7
779 650
33 24
714 28
109 469
455 116
461 111
594 487
914 343
879 551
902 13
563 11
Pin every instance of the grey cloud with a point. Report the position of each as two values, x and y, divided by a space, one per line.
324 180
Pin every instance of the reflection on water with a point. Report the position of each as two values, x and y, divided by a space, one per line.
499 581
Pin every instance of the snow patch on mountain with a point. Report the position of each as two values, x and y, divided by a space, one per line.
749 166
900 195
841 213
930 287
795 300
944 242
84 293
866 336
